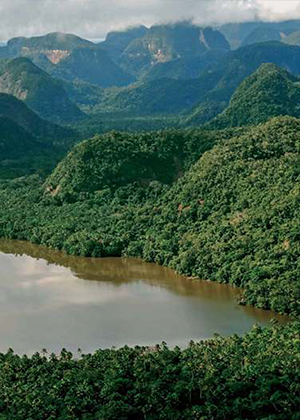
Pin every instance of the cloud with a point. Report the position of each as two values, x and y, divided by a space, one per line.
278 9
94 18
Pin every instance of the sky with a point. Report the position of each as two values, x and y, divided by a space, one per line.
92 19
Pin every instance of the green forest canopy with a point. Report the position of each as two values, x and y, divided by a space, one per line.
230 216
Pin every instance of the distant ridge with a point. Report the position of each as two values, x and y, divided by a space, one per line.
258 31
68 57
164 43
51 41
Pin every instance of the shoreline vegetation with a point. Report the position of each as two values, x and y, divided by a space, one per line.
97 268
230 216
71 261
256 376
218 202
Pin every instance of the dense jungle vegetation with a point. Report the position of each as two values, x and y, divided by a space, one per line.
269 92
219 202
231 216
29 144
253 377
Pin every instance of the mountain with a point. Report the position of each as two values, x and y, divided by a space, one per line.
17 111
213 88
66 56
47 44
41 93
164 43
91 65
262 34
293 39
269 92
181 67
237 33
116 41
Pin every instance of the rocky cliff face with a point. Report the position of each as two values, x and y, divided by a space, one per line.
164 43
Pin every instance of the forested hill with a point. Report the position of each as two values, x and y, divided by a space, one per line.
269 92
117 159
29 144
41 93
232 217
212 89
17 111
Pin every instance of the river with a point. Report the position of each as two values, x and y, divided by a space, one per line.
51 300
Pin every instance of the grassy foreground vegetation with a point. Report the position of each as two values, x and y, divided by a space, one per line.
243 378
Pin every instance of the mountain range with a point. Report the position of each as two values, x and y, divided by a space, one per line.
122 57
66 56
245 33
165 72
212 89
165 43
215 197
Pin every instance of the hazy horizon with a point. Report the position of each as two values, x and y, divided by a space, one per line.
93 19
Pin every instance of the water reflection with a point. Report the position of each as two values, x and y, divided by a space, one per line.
52 300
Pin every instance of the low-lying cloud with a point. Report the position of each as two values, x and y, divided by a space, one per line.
94 18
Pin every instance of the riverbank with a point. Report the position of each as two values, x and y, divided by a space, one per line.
231 216
96 303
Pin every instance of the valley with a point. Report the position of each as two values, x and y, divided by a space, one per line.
149 193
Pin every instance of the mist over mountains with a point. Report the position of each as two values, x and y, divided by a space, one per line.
158 70
171 75
93 19
178 144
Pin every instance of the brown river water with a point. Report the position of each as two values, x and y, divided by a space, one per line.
51 300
